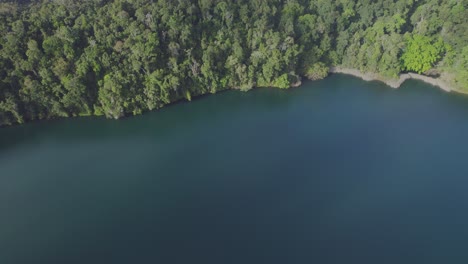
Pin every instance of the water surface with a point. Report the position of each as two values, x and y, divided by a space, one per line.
336 171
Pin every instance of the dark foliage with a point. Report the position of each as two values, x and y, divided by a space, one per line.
63 58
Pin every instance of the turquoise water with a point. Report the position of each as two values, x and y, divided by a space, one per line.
336 171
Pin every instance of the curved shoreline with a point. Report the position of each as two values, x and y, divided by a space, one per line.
394 83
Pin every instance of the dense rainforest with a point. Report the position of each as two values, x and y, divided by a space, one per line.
62 58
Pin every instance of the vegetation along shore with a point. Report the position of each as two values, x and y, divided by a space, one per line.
62 58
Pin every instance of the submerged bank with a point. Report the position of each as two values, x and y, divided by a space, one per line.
394 83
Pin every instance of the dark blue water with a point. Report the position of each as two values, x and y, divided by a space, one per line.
336 171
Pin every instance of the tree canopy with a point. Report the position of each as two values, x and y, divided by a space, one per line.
62 58
421 53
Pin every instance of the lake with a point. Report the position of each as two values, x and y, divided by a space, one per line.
335 171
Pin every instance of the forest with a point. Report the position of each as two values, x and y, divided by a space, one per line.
63 58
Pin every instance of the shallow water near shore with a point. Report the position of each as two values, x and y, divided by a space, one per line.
335 171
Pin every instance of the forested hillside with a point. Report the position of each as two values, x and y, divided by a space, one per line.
63 58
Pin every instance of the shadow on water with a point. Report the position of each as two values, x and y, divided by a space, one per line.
336 171
168 120
210 110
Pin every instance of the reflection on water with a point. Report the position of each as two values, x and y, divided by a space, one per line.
336 171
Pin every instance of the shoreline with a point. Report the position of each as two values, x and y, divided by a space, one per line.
394 83
366 76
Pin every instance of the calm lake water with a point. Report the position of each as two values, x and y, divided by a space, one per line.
336 171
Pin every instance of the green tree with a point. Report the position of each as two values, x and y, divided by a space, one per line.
422 53
111 96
